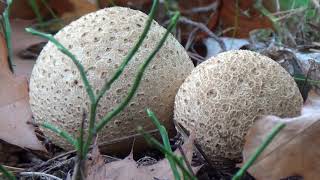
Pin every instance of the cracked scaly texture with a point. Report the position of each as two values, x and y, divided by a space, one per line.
100 41
224 96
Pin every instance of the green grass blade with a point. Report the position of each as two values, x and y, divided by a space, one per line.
138 78
258 151
131 53
165 140
7 30
107 85
177 160
35 8
61 133
65 51
6 173
53 14
311 82
81 135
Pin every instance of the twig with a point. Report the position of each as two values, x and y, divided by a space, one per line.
76 170
212 7
204 28
36 168
196 57
287 14
100 144
13 169
134 136
32 174
191 38
58 165
6 173
186 160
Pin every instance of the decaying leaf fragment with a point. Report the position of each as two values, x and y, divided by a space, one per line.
293 152
128 168
14 107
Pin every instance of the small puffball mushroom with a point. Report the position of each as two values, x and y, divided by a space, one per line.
226 94
100 41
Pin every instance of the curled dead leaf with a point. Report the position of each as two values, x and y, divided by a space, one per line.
128 168
15 111
294 151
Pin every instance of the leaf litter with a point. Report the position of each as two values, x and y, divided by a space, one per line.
294 151
15 111
128 168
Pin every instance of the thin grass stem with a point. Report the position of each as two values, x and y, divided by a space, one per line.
165 140
61 133
65 51
177 160
107 85
7 30
6 173
35 8
138 77
258 151
131 53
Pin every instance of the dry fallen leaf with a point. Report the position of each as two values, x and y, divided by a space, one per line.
162 169
293 152
21 40
128 168
80 8
14 107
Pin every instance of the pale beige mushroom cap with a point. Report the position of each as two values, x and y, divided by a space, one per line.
100 41
224 96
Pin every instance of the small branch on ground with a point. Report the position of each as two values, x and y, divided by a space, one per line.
38 174
204 28
186 160
191 38
211 7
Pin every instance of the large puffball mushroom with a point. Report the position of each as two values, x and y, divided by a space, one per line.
226 94
100 41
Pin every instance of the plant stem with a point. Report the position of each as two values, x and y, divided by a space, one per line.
258 151
107 85
65 51
165 140
131 53
91 131
6 173
138 78
176 159
259 6
35 8
39 174
81 136
53 14
312 82
7 29
61 133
